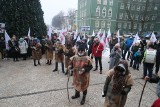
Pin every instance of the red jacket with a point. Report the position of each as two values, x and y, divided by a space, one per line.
97 49
156 103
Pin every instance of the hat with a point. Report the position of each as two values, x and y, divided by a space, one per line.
81 48
122 66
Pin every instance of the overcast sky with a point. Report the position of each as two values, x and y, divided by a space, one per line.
53 7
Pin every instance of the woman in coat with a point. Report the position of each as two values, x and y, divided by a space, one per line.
115 56
23 46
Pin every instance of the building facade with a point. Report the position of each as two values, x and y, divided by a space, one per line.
124 15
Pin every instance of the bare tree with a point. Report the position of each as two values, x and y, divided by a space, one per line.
71 15
58 20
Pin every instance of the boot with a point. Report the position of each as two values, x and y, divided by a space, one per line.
71 73
66 72
56 67
35 63
84 97
50 62
39 63
47 62
95 69
100 71
62 67
83 100
77 94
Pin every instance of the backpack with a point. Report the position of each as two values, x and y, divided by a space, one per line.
150 56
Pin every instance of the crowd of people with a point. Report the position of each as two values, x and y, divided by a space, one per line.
75 57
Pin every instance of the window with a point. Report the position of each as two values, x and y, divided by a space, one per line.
97 23
126 16
141 17
85 2
133 7
110 12
145 26
125 25
111 2
155 8
140 27
104 2
153 17
149 8
103 24
143 8
119 25
109 24
98 11
128 6
85 13
104 12
122 6
98 1
147 18
152 27
120 15
136 17
138 8
135 26
132 16
129 25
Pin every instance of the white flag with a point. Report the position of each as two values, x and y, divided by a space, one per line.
29 34
153 37
78 38
49 33
137 38
7 38
76 33
62 37
103 37
109 33
93 34
118 35
99 33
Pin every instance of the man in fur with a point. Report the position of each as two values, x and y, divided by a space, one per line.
59 55
36 51
81 64
69 52
49 51
117 86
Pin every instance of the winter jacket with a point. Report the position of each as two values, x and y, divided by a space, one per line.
97 49
129 42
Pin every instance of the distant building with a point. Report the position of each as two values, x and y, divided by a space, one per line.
113 14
